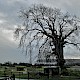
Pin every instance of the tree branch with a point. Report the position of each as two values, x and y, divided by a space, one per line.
72 31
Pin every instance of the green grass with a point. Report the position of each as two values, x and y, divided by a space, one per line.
72 74
60 78
22 76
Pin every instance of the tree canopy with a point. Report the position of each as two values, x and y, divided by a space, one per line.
48 29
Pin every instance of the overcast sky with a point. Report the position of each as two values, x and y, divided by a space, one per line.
9 12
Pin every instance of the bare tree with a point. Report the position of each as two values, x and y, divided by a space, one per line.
48 27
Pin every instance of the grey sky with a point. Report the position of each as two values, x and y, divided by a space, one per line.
9 12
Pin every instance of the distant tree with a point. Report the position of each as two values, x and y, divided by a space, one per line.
0 64
14 64
22 64
8 63
50 29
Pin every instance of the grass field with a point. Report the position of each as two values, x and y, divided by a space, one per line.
8 71
73 74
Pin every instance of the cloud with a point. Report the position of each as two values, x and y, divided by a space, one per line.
9 50
2 21
8 34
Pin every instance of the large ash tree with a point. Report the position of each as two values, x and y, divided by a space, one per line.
50 29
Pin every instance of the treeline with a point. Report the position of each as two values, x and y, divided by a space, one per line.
69 62
15 64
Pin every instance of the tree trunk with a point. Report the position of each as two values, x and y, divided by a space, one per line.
59 53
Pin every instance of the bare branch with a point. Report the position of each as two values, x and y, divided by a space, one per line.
74 44
72 31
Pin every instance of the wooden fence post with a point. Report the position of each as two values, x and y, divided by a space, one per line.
28 75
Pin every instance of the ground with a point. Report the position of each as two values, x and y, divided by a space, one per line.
72 73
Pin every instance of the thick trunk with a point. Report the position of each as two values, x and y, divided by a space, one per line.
59 53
